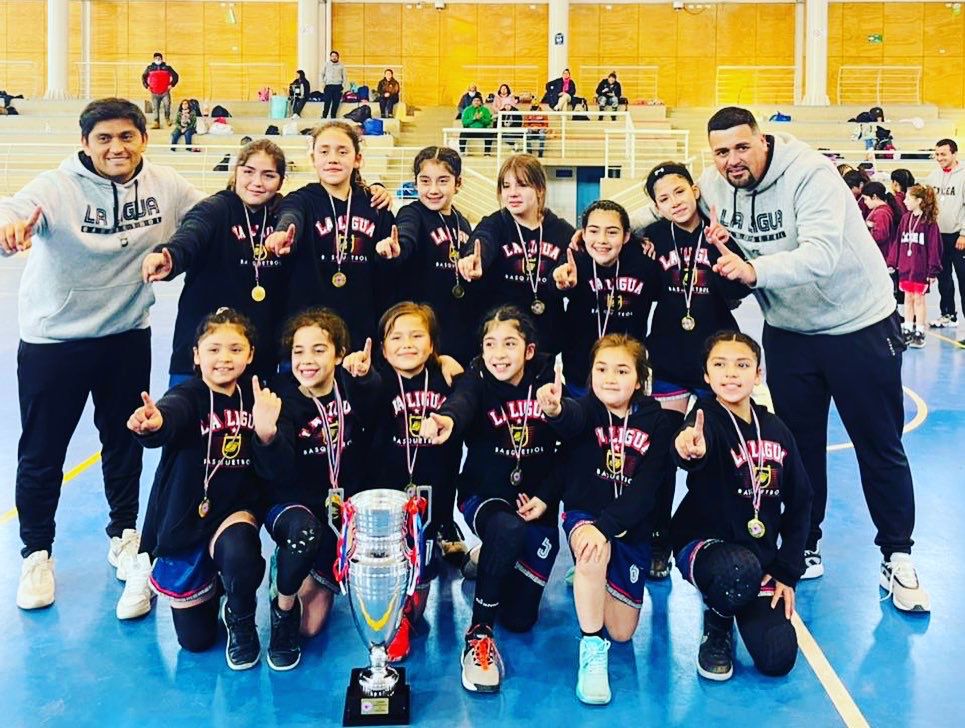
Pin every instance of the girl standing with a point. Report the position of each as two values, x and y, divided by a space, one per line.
220 247
431 234
510 449
915 255
883 214
203 514
610 285
616 444
326 397
693 302
746 488
901 181
332 229
516 249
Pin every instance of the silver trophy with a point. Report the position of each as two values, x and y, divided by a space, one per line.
378 565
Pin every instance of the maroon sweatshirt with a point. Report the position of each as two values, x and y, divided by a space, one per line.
881 223
916 251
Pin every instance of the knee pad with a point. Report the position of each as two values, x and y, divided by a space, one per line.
196 627
298 531
502 540
237 554
776 654
728 576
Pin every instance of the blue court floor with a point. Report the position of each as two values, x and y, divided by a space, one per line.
75 664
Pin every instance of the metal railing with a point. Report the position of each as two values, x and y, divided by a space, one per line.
919 161
97 79
244 80
755 85
636 82
20 77
879 85
521 79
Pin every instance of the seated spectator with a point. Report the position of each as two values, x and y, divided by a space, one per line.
388 91
560 92
537 129
476 116
298 91
608 93
185 124
504 99
466 99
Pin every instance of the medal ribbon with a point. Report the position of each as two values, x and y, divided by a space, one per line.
255 263
618 481
411 452
757 489
333 454
518 451
689 291
533 277
208 472
453 235
601 328
340 254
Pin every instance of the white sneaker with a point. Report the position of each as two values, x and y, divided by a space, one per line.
123 552
593 682
813 565
945 321
137 597
36 588
899 580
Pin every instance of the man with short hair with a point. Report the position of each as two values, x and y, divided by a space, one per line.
948 181
334 80
831 329
476 116
84 330
159 78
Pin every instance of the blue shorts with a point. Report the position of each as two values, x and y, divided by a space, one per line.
323 568
664 391
185 576
540 544
629 564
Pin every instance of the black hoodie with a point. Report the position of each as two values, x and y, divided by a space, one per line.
172 523
677 354
718 500
505 279
428 274
369 285
629 296
489 415
611 473
214 248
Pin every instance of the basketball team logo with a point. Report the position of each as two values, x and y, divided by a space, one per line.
230 446
453 254
519 434
614 461
259 253
614 301
332 430
529 265
763 475
415 424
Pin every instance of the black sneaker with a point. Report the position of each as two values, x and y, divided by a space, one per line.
450 541
715 657
243 649
660 564
284 646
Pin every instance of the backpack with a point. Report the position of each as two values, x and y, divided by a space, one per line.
780 117
272 130
316 96
350 97
372 127
360 114
220 110
264 94
362 93
195 106
863 118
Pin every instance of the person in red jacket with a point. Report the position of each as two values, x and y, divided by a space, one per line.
159 78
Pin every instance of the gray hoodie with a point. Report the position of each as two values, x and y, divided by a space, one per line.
333 74
818 268
950 189
83 274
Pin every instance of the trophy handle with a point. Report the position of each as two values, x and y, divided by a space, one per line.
333 506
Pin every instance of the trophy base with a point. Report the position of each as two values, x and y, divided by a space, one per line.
390 709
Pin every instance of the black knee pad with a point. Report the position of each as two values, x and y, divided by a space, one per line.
237 554
728 576
197 627
298 531
778 649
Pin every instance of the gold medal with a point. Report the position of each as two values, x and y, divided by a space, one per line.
458 291
204 507
537 307
755 527
687 323
258 293
339 279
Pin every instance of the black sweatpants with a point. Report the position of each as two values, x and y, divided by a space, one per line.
54 381
861 372
332 96
952 260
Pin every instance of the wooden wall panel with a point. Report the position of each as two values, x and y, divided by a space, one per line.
347 32
584 31
695 34
146 29
736 34
835 30
531 28
26 24
902 30
381 29
221 31
258 20
496 31
942 82
657 31
288 35
858 21
618 34
775 34
942 32
421 33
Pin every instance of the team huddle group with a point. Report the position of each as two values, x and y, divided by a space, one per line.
531 373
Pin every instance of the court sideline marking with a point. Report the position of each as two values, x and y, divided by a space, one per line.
945 338
68 476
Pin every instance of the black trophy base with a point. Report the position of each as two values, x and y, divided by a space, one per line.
362 709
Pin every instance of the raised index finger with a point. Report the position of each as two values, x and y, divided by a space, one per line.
368 348
34 217
699 422
256 385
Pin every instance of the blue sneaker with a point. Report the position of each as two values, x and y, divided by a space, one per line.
570 575
593 683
